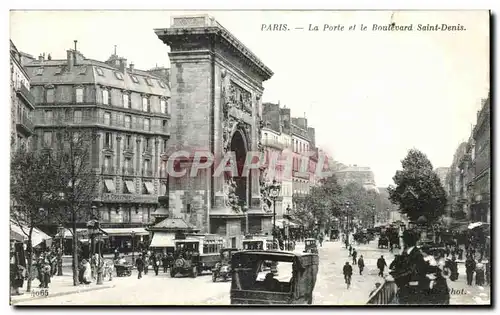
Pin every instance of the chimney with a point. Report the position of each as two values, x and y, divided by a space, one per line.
41 58
131 66
70 59
123 65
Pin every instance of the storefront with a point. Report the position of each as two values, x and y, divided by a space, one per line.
126 240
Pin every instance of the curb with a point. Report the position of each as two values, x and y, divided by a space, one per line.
100 287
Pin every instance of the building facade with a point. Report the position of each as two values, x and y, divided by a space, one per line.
22 103
301 148
442 172
481 197
128 111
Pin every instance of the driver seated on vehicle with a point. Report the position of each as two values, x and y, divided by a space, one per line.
271 283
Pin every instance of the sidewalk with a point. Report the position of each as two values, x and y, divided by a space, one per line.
60 285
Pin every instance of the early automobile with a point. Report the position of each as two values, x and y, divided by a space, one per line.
222 269
292 284
311 246
383 242
195 253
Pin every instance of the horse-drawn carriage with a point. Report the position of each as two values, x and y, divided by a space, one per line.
361 237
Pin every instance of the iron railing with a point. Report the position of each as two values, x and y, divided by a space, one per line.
385 294
26 95
24 122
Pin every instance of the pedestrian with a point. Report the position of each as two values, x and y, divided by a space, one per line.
361 265
377 285
87 273
156 263
354 256
381 264
480 273
470 267
139 264
347 271
350 250
146 263
164 262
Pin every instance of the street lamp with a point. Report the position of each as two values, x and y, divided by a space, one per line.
347 222
60 230
93 227
133 237
274 191
373 211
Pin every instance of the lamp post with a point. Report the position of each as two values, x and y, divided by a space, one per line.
373 211
93 227
133 237
347 221
274 191
60 230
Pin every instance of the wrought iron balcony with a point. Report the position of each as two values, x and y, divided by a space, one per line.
26 96
128 171
108 170
24 124
148 173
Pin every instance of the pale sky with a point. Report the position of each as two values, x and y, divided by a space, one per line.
370 95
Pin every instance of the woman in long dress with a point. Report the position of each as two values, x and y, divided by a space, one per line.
87 273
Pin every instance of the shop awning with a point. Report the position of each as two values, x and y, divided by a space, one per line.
161 239
149 187
37 236
125 231
110 185
130 186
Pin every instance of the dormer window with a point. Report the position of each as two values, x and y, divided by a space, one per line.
119 76
134 79
83 70
99 71
149 81
39 71
161 84
58 71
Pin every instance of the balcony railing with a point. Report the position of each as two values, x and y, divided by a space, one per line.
100 120
128 171
24 124
26 95
385 294
108 170
273 143
148 173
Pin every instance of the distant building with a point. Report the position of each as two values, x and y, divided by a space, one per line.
128 110
442 172
360 174
22 103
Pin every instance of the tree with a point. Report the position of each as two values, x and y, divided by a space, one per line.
418 190
321 204
77 181
34 179
361 202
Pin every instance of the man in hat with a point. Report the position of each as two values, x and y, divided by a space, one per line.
139 264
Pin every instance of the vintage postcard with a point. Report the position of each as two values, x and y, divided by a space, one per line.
250 157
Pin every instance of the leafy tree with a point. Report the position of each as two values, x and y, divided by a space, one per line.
361 202
34 179
78 183
321 204
418 190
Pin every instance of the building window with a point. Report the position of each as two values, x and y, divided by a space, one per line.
148 81
50 95
164 107
164 145
128 121
128 142
47 138
106 97
134 79
48 116
147 143
119 76
77 116
79 95
165 126
161 84
99 71
126 101
76 137
108 140
107 118
146 124
39 71
146 104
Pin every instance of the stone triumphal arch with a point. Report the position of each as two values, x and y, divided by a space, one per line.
216 91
